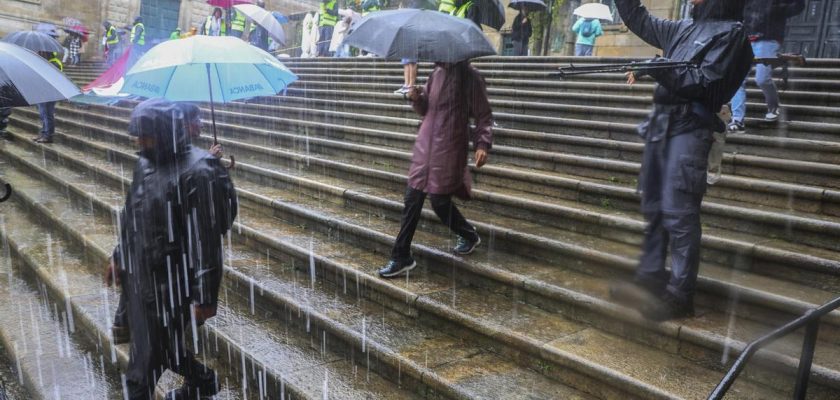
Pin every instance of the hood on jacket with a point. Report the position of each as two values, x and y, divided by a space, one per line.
165 123
107 25
728 10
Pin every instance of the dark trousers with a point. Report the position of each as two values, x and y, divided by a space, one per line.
673 182
324 38
520 48
47 112
445 210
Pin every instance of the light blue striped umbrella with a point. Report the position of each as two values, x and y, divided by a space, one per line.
207 69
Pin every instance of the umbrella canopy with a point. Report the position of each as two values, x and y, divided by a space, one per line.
80 30
27 79
264 19
530 5
491 13
419 34
45 28
227 3
280 17
35 41
594 11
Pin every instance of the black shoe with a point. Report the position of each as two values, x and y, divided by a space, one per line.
736 127
120 334
396 268
669 307
464 246
43 140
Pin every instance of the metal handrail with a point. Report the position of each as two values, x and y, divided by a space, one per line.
811 321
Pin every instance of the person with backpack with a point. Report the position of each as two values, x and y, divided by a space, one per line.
587 30
678 136
180 205
765 22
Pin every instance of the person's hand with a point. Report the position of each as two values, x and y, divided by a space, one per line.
631 77
480 158
525 20
414 93
203 313
111 274
216 150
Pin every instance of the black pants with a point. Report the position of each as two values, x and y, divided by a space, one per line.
445 210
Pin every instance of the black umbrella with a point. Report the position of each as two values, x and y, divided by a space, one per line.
419 34
530 5
27 79
491 13
35 41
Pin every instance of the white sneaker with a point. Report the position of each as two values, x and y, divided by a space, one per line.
772 115
402 90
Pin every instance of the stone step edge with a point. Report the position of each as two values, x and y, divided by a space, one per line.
697 337
633 226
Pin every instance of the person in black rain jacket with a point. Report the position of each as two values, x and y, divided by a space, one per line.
169 257
678 136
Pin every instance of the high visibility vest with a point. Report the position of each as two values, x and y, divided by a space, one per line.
238 23
142 40
112 33
55 61
326 18
209 22
462 11
175 35
447 6
370 10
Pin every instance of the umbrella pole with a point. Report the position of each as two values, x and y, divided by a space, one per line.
212 107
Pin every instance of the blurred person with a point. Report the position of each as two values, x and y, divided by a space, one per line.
138 36
111 41
258 37
587 31
337 46
75 48
447 6
176 34
369 6
326 23
237 24
47 110
454 93
215 24
409 64
467 9
678 136
765 22
193 31
181 202
521 33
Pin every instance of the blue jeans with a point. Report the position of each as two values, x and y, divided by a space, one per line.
583 50
326 33
47 112
764 79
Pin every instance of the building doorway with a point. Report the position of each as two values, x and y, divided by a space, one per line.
816 32
160 18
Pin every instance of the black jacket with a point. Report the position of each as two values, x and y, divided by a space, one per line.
180 204
520 32
717 44
767 19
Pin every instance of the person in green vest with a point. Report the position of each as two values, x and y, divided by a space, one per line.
369 6
138 35
467 9
215 24
176 34
237 24
47 110
326 24
111 41
447 6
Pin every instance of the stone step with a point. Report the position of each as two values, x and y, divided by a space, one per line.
502 261
723 245
245 343
470 302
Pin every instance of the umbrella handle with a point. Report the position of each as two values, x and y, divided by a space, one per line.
8 193
212 107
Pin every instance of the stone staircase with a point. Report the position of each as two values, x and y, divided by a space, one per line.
320 174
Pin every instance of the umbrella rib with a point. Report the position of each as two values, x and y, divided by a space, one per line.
219 78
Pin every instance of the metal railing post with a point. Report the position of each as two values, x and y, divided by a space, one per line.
806 359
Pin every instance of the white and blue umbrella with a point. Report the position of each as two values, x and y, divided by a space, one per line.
207 69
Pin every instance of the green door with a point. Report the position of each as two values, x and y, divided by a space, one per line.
160 18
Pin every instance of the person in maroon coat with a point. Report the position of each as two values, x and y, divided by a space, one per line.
454 93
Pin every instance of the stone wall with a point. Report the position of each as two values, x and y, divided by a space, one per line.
618 41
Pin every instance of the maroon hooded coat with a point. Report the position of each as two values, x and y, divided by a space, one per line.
453 94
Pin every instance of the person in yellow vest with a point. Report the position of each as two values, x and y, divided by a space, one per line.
176 34
329 17
111 42
369 6
237 24
138 35
47 110
467 9
447 6
215 24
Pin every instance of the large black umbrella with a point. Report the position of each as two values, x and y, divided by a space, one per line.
530 5
419 34
491 13
27 79
35 41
